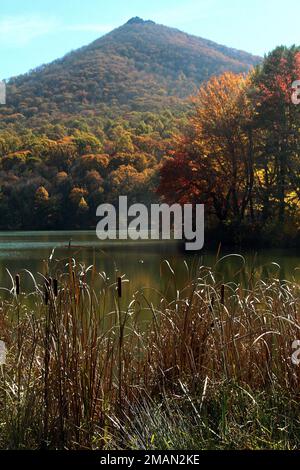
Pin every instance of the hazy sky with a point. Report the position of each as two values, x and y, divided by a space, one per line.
33 32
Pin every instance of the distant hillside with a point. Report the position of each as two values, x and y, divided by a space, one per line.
140 66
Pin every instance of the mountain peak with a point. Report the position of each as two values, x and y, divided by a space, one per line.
140 66
138 20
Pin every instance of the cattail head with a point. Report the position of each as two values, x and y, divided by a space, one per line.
222 294
18 284
55 287
119 287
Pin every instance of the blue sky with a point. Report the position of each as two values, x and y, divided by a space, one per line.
33 32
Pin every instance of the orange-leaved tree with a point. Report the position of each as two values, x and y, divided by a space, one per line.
213 159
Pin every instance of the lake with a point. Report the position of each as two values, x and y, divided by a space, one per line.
141 262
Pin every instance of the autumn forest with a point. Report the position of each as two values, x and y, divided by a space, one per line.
231 142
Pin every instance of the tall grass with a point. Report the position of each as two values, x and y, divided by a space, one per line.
208 368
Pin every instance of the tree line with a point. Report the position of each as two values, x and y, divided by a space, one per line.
240 154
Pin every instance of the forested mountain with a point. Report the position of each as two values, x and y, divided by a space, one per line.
113 119
140 66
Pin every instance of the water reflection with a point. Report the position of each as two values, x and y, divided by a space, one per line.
141 262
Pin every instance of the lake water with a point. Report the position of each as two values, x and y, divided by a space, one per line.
141 262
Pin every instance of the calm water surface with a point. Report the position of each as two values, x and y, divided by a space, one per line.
141 262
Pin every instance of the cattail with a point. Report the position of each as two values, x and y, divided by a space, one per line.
119 287
222 294
18 284
55 287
